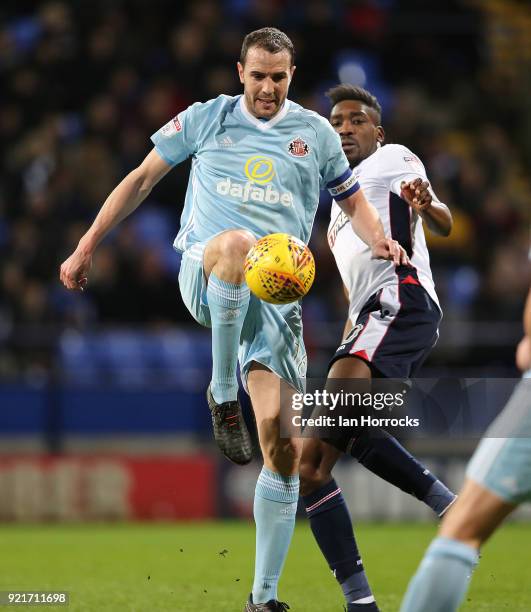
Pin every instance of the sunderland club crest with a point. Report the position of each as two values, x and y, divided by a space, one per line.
298 148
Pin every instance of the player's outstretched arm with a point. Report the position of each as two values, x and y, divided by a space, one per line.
123 200
436 214
368 226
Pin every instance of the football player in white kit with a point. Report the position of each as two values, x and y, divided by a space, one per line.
392 325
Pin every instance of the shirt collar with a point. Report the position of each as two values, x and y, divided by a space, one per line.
263 125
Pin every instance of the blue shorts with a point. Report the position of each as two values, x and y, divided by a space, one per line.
395 330
502 461
271 335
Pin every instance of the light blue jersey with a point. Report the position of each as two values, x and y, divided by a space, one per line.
263 176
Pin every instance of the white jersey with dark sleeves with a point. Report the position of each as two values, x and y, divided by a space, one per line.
380 176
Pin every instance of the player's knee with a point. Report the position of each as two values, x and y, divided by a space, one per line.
235 245
312 477
466 531
461 524
464 527
283 455
287 451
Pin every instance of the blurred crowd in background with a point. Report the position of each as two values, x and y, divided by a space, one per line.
83 86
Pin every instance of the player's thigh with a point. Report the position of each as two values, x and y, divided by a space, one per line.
231 244
348 374
350 367
502 460
271 398
475 515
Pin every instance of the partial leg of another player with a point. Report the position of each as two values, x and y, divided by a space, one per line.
228 300
327 512
443 576
498 478
331 524
277 488
383 455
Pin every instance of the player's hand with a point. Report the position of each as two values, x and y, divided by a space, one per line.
417 194
74 271
387 248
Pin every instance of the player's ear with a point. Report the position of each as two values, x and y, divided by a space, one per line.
291 71
240 71
380 134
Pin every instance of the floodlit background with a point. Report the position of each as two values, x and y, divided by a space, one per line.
102 409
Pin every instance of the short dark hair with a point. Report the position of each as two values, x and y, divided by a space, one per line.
346 91
270 39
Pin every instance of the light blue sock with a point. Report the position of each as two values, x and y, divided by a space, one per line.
228 304
275 505
442 578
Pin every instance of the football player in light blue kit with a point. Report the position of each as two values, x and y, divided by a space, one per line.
498 479
258 163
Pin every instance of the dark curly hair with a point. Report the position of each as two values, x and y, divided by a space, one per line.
351 92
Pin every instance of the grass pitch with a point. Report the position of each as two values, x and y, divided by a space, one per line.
208 566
